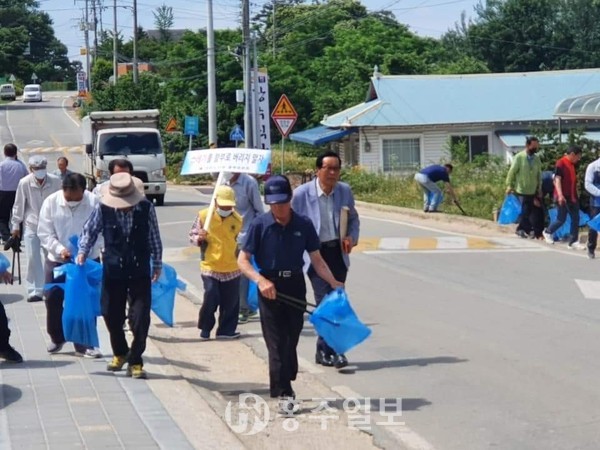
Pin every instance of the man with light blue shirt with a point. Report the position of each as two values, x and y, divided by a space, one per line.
325 200
592 186
11 172
248 204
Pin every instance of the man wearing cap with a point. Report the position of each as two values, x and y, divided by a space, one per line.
324 200
219 269
131 240
278 240
31 193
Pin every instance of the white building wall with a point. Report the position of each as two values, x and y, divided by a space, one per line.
435 147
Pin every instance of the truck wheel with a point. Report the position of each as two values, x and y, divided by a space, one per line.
160 200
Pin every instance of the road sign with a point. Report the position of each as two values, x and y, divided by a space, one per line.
237 134
284 115
191 126
12 78
172 125
34 77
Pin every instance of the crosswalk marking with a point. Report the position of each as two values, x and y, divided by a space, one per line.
441 243
35 150
590 289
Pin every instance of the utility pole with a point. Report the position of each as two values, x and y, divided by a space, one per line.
212 83
95 15
255 126
115 42
87 46
247 74
273 27
135 30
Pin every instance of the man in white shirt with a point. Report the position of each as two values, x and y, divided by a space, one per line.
62 216
31 192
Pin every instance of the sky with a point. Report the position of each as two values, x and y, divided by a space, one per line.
424 17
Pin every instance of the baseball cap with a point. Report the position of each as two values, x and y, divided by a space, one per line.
277 190
225 196
38 162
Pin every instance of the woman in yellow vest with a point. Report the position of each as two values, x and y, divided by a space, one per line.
218 267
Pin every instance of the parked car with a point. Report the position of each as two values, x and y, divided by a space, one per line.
32 93
7 92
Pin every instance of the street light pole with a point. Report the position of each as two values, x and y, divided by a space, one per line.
135 30
87 46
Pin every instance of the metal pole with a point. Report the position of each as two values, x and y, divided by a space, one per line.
212 84
273 28
247 71
115 43
190 147
282 152
87 46
256 126
135 30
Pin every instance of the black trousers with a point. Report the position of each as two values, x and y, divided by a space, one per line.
593 234
4 330
224 295
333 258
281 326
55 297
7 200
114 301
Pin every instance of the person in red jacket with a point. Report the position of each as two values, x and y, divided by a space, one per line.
565 194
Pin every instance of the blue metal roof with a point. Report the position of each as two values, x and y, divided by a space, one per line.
405 100
320 135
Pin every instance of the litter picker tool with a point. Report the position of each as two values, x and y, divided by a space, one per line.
460 207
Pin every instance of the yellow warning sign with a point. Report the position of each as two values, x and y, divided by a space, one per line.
172 125
284 109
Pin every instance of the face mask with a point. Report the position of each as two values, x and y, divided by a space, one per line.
39 174
73 204
224 213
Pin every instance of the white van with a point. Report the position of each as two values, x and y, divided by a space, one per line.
32 93
7 92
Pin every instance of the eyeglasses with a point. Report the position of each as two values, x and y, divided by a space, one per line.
331 169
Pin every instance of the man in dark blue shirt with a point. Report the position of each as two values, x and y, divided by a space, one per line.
278 240
428 178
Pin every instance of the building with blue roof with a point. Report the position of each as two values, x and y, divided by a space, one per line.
408 121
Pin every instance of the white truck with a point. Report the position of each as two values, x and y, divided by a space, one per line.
131 135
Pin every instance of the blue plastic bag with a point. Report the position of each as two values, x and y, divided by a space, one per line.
4 263
252 298
337 323
83 287
510 211
565 229
163 294
595 223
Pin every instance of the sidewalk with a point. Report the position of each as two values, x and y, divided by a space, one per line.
62 401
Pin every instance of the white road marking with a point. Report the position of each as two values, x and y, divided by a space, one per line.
35 150
166 224
420 227
590 289
390 243
309 367
67 113
449 251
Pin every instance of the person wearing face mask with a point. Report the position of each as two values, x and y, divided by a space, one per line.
524 179
218 267
61 217
31 193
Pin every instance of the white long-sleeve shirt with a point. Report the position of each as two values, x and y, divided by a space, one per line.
58 222
29 198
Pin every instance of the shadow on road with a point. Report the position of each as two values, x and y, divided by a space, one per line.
377 365
197 203
7 299
10 394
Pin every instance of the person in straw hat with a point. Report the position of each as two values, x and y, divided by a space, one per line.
219 268
129 225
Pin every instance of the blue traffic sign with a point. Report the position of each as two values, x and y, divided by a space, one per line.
236 134
191 126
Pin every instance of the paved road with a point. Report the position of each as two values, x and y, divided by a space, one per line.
489 340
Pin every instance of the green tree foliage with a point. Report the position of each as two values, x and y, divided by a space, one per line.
164 20
28 44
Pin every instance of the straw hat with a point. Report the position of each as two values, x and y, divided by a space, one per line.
122 191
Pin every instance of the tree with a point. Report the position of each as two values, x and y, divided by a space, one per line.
164 20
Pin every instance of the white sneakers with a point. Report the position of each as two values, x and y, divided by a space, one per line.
577 246
548 237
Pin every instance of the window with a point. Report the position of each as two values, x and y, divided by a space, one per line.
401 154
476 144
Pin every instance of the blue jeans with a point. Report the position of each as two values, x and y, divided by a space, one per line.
225 296
573 210
35 264
432 194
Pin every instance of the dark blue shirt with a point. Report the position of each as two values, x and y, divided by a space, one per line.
547 183
277 247
436 173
